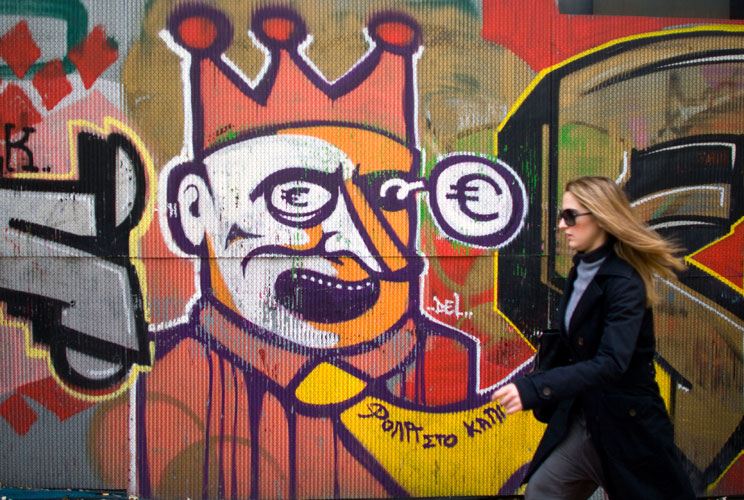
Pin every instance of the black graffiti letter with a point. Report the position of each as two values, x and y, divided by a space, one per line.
398 430
470 427
497 411
375 410
428 441
484 424
19 144
450 441
410 426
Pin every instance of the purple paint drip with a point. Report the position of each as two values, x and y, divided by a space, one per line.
234 472
143 463
205 469
221 479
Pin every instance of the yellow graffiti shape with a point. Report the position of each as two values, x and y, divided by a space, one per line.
459 453
316 387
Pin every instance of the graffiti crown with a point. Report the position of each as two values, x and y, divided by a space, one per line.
377 93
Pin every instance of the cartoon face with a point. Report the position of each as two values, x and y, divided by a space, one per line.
301 240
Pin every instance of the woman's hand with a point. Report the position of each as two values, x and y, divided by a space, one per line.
508 398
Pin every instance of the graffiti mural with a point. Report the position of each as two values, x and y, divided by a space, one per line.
277 251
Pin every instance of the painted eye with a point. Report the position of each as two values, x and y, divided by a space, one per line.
298 197
476 200
300 200
478 196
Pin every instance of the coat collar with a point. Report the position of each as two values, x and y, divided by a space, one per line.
596 254
612 266
615 265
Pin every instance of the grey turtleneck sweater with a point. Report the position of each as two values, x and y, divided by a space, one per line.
585 271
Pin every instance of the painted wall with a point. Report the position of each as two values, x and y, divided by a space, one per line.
289 250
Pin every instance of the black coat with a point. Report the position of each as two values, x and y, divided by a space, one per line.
609 374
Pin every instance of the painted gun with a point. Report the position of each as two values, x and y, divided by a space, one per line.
65 261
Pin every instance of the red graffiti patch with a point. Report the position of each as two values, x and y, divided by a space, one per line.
197 32
278 28
52 83
546 37
724 256
732 480
455 263
17 108
398 34
93 56
18 49
18 414
51 396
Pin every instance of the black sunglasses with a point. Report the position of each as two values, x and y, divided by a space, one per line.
569 216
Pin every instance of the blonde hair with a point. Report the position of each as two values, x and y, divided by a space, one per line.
640 246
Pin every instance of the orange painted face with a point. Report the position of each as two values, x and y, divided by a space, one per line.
308 236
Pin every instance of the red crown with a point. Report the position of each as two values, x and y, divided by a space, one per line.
377 93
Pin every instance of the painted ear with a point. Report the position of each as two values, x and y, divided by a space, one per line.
195 205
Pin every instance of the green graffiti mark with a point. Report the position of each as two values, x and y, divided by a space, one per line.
466 6
429 165
583 150
74 14
571 140
479 141
459 247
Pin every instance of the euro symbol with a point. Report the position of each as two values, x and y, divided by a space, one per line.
467 190
293 196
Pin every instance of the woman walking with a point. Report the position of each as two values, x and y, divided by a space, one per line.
607 423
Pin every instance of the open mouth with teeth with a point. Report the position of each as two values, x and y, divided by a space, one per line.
320 298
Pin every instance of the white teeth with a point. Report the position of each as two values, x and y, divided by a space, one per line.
331 283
